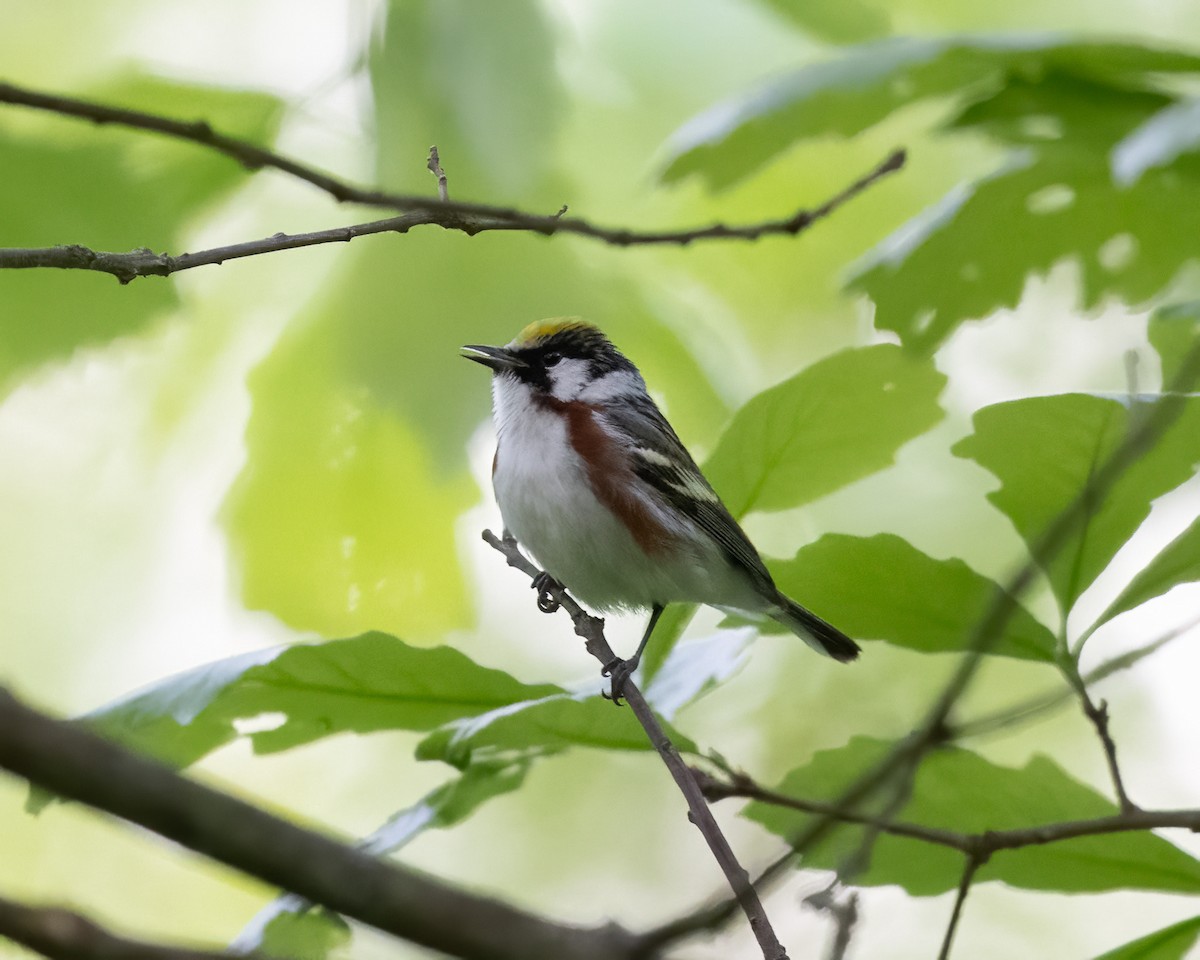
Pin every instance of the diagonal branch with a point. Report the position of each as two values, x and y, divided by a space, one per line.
72 762
591 629
65 935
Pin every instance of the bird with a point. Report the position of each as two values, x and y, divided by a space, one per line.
591 478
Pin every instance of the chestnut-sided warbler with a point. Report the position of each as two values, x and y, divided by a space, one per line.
593 481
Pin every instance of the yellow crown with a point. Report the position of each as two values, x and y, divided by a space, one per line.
543 329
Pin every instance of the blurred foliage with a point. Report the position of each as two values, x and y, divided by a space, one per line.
1059 110
345 517
847 22
68 182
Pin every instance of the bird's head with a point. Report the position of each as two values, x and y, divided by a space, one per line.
561 360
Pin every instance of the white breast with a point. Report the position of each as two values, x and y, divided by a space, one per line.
548 505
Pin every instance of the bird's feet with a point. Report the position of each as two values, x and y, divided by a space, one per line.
620 671
543 583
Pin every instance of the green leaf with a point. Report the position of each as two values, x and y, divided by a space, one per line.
341 520
794 442
1062 109
69 181
867 84
1044 450
1169 943
883 588
1055 191
362 684
292 926
1178 562
957 790
539 727
836 21
1173 332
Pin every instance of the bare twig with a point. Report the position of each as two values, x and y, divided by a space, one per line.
591 629
249 155
980 844
435 167
1097 714
468 218
65 935
72 762
964 887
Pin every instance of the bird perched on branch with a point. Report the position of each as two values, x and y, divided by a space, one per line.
592 479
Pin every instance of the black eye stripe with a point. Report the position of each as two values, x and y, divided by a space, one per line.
588 345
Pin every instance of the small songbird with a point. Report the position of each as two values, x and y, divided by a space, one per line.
592 480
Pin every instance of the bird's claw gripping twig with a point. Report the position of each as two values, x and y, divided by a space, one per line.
543 583
620 671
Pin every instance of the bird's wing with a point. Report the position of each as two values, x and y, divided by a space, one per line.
661 461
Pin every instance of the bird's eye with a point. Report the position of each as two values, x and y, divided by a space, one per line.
551 358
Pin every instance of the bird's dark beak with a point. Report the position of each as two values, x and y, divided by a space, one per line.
498 358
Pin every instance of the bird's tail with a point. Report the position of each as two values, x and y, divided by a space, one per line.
821 636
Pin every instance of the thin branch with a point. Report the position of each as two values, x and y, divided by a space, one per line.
1097 715
249 155
65 935
982 844
591 629
146 263
964 887
68 760
254 157
468 218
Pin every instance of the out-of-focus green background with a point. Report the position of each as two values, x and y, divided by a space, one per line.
289 447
